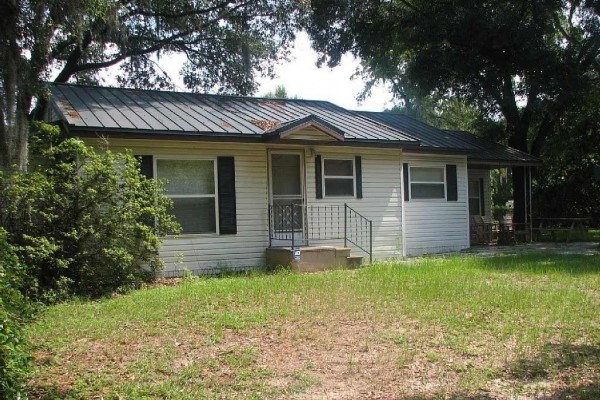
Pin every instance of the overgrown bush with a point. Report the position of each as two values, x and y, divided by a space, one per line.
85 222
15 309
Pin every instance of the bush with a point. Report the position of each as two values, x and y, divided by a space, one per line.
498 212
84 222
14 311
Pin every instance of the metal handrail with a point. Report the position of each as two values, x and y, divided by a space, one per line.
320 222
363 238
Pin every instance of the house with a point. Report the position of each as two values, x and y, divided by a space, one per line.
250 174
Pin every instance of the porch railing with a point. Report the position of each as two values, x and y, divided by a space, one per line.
298 224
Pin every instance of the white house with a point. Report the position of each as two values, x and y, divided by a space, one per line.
247 174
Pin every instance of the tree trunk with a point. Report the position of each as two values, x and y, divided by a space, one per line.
15 98
518 139
14 135
518 184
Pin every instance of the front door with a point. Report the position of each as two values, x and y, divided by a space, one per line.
287 198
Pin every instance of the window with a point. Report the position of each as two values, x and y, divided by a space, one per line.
474 199
191 186
338 177
427 183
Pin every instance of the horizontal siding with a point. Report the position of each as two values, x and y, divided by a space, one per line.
429 226
435 226
214 253
381 202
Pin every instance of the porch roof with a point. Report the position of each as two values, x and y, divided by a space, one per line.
479 151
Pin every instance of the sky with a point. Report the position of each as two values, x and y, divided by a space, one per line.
301 78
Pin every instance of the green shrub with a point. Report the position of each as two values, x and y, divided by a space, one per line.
85 222
498 212
14 311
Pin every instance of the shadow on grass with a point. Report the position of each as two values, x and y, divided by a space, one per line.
579 392
540 263
554 358
549 363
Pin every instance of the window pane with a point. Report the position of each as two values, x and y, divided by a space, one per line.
339 167
427 191
474 189
339 187
195 215
421 174
187 176
285 174
474 207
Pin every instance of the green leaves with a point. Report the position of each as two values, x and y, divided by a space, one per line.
77 218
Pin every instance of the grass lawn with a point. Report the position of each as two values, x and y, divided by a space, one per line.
524 326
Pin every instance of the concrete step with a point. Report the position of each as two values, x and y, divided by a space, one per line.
313 258
354 261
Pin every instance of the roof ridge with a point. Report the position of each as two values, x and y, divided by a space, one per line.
198 94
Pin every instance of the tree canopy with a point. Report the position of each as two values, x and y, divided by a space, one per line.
226 44
524 61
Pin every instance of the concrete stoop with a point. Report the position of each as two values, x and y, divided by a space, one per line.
312 259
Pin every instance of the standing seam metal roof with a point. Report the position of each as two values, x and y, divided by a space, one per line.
113 109
147 112
477 149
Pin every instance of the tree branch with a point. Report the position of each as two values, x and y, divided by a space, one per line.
156 14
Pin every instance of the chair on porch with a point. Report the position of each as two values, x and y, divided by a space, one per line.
481 231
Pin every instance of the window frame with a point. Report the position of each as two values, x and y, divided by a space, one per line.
478 182
215 196
325 177
445 182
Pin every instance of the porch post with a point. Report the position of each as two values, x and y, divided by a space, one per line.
530 209
525 198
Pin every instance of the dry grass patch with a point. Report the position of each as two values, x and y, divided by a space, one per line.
460 327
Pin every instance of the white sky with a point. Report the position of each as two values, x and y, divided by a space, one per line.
301 78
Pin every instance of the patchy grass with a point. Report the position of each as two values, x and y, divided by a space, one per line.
502 326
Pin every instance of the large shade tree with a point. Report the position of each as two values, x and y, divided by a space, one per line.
526 62
226 43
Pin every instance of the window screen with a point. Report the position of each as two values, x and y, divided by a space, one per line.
191 185
427 183
338 177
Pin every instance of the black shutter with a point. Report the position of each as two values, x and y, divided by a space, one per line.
481 198
226 185
406 183
452 193
318 178
358 164
147 166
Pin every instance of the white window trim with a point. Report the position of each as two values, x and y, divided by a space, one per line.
198 196
478 197
410 182
324 177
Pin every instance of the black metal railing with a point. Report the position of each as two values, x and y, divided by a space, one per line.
297 224
358 230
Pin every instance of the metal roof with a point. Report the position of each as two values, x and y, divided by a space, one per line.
88 108
145 113
478 150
